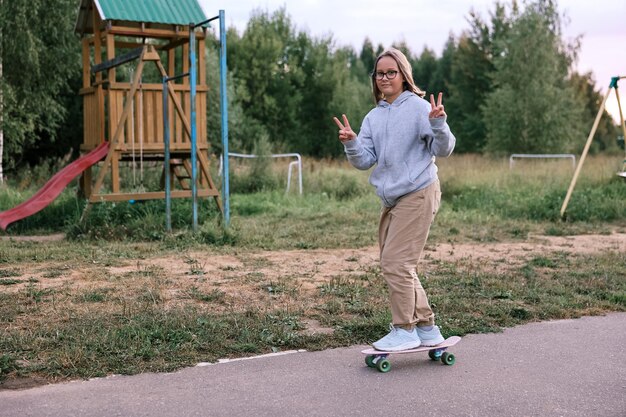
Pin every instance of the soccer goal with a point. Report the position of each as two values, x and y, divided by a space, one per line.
515 156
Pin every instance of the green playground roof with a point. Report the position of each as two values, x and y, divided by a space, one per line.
168 12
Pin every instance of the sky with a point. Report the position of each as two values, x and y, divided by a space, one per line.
428 23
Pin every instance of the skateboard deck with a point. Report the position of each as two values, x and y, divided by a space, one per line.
378 358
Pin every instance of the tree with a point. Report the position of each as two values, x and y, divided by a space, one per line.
368 55
590 99
443 74
319 82
40 55
471 76
349 93
532 108
268 72
1 102
290 85
241 127
424 69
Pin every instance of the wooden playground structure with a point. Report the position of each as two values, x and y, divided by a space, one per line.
128 113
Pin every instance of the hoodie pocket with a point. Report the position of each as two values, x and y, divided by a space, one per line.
410 173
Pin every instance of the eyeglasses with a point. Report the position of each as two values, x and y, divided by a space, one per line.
390 74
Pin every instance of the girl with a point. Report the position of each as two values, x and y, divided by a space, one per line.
402 135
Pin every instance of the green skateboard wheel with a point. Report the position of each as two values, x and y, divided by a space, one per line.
447 358
383 365
434 354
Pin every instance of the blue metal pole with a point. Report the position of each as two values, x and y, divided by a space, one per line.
194 156
224 111
166 139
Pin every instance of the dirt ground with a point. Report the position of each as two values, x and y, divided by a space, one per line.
246 279
176 278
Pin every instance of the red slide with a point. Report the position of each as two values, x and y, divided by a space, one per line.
53 188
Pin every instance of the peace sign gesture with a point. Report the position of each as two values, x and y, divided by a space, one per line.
436 110
345 131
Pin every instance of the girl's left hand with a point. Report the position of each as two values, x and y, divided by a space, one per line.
345 131
436 110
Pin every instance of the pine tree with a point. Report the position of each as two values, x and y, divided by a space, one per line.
471 76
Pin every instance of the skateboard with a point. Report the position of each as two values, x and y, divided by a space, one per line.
378 358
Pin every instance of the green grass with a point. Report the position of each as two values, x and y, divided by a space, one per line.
90 340
495 202
127 322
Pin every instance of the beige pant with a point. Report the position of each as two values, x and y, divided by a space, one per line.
402 234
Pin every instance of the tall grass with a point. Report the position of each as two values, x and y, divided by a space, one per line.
338 208
534 190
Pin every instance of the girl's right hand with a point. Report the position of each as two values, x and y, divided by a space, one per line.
345 131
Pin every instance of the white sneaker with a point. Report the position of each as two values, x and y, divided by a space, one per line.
431 337
398 339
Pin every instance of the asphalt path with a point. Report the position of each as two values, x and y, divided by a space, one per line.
556 368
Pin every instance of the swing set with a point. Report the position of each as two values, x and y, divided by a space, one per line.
612 86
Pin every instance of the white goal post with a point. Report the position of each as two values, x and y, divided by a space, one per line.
297 163
541 156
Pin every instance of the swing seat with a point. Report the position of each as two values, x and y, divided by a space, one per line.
622 174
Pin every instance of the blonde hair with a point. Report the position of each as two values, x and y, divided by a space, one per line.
405 69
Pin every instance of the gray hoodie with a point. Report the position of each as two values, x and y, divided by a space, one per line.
403 142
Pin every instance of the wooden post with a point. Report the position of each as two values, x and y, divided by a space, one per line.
97 45
115 173
201 62
581 161
110 51
97 59
621 120
85 178
171 62
86 72
185 62
177 104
